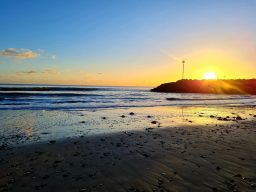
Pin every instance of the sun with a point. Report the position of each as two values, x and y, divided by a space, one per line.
209 75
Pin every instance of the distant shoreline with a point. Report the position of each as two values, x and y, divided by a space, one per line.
68 85
220 86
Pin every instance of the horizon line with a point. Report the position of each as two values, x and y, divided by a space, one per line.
73 85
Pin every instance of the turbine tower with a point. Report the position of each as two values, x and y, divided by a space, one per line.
183 69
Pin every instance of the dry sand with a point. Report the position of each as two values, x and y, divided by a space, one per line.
210 157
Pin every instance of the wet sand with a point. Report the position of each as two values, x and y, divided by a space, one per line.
214 156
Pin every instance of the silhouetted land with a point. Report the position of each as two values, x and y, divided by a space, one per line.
237 86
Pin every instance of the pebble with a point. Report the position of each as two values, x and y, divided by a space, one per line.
83 189
91 174
52 141
44 133
238 175
118 144
145 155
238 118
132 189
57 161
27 173
45 177
11 181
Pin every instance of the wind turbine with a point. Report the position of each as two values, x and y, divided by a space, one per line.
183 68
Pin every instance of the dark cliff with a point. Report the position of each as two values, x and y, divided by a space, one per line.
237 86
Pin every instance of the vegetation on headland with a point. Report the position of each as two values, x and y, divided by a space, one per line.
220 86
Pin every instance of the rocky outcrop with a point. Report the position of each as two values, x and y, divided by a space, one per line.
232 86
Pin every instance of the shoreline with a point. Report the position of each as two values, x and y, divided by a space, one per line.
25 127
202 153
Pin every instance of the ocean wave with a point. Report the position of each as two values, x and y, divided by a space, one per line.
50 89
206 99
107 97
24 94
14 104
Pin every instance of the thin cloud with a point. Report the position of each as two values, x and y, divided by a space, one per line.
50 71
32 72
172 56
18 53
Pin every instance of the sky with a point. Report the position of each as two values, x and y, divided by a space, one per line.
128 42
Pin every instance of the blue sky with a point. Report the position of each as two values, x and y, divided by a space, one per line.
123 42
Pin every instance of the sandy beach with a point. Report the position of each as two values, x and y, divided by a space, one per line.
200 151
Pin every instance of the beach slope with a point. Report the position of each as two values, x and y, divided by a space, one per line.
210 157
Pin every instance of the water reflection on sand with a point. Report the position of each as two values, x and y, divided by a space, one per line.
28 126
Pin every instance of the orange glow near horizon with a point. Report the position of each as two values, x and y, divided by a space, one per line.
224 63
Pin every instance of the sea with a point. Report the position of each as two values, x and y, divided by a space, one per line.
53 97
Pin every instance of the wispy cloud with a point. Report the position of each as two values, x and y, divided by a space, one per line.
18 53
170 55
32 72
50 71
